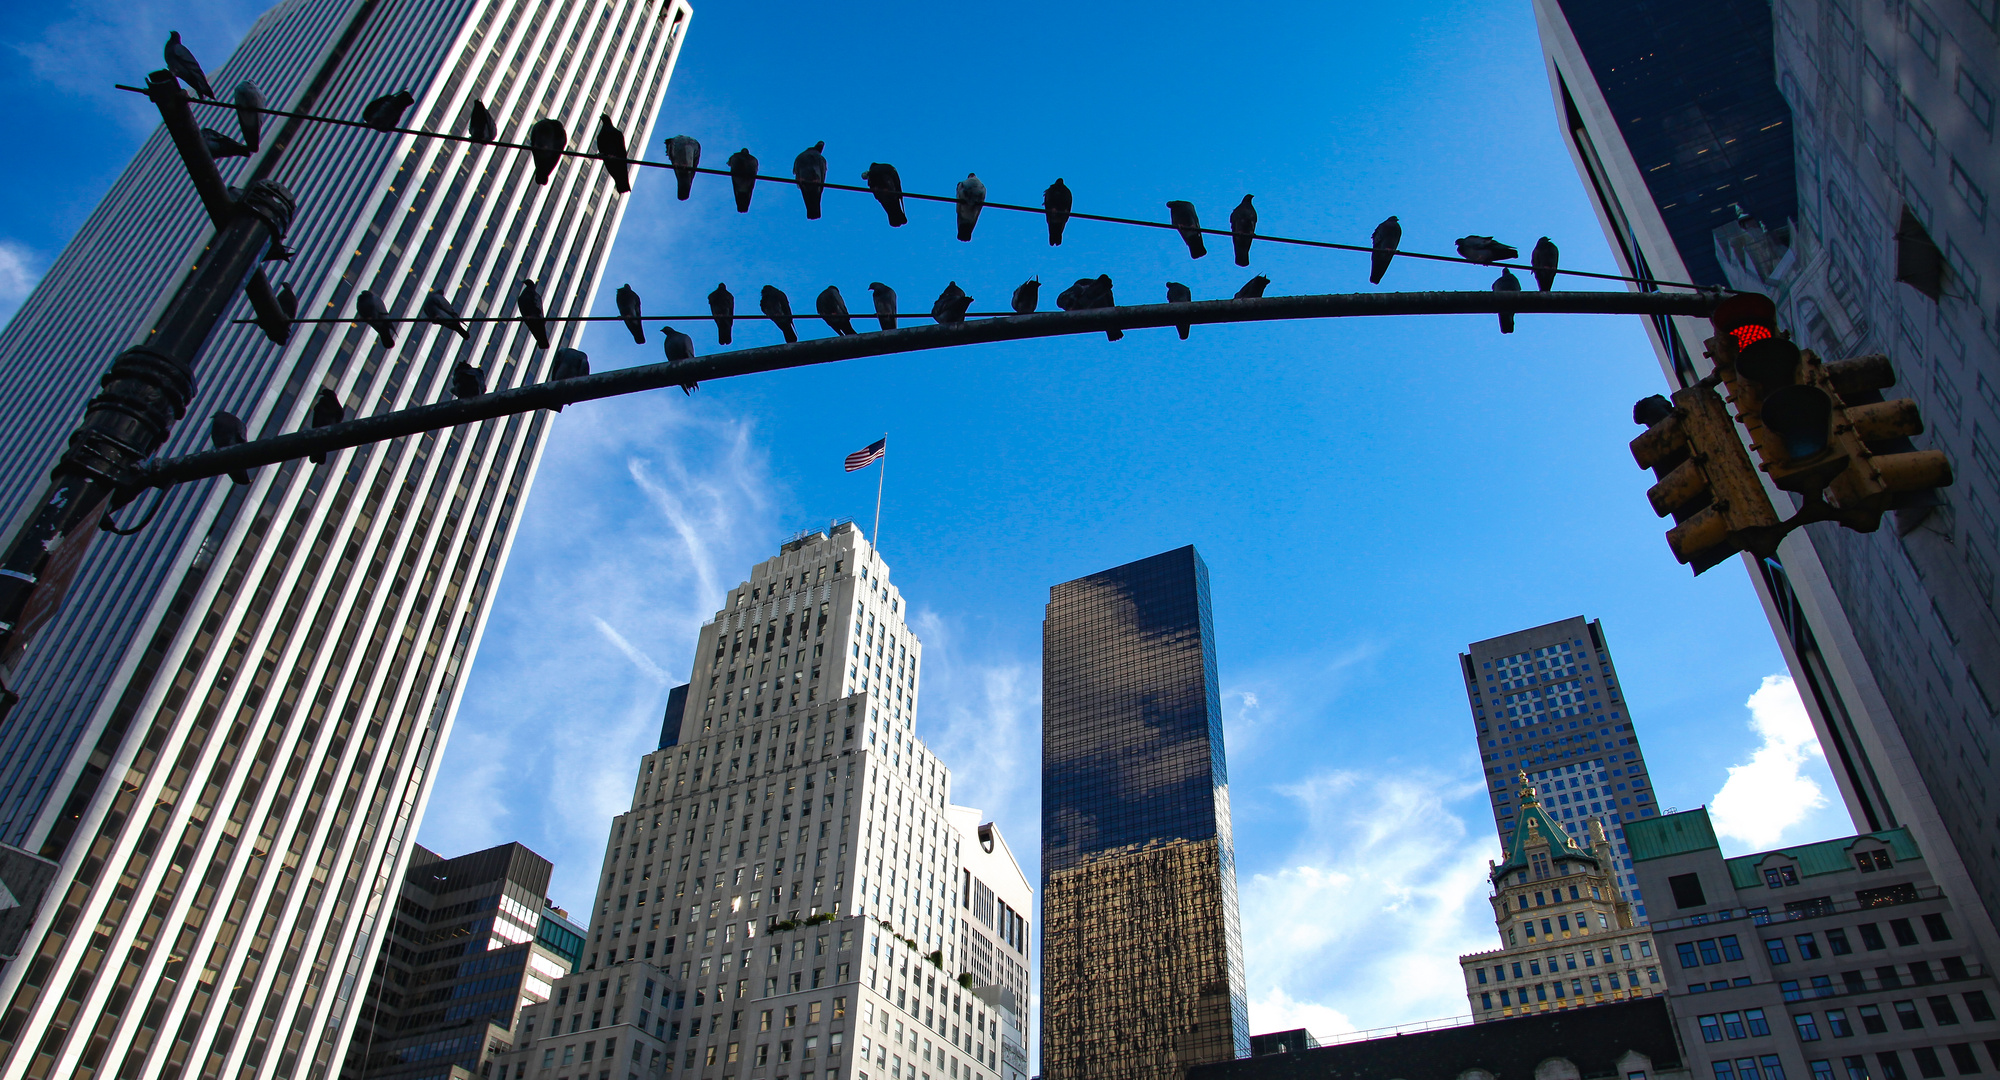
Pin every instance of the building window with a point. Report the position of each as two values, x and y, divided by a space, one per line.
1821 1070
1732 1025
1731 949
1934 925
1485 1000
1687 954
1836 942
1977 100
1777 877
1755 1018
1941 1010
1836 1022
1808 1031
1976 1005
1709 953
1775 948
1906 1015
1773 1068
1808 948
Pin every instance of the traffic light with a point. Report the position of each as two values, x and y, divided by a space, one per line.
1706 480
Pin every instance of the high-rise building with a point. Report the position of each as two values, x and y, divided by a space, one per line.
792 893
474 940
1546 702
224 740
1142 956
1837 157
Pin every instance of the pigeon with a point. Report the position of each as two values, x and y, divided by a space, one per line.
370 308
467 381
1383 244
611 151
222 146
1484 250
685 154
1648 411
1507 282
680 348
742 177
628 310
1027 295
568 364
885 304
1242 226
529 304
809 169
775 304
834 310
723 306
1254 288
1184 219
546 142
185 67
971 200
249 114
951 304
1544 260
385 112
326 411
1055 207
1089 293
288 301
480 125
1178 293
440 311
225 429
888 189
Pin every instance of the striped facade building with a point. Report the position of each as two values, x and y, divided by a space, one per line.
208 786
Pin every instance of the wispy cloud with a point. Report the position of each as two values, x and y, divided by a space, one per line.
20 268
982 715
105 41
1771 793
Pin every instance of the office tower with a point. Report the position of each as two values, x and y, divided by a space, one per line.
993 939
785 898
1545 702
1889 636
474 940
224 741
1142 958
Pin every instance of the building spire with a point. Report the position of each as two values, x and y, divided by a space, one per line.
1527 789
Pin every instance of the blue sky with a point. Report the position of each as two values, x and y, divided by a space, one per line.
1370 495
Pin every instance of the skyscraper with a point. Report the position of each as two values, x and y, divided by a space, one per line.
1142 957
1546 701
223 742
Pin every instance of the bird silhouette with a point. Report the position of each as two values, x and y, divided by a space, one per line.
1178 293
809 169
1090 293
685 155
1242 226
1055 207
1507 282
467 381
480 125
611 151
439 310
885 304
546 142
628 310
1388 236
1254 288
1027 296
225 429
834 310
249 113
1648 411
1181 212
326 411
568 364
1484 249
950 306
222 146
185 67
1544 259
779 307
288 301
971 200
385 112
529 304
679 346
370 308
742 177
887 188
723 306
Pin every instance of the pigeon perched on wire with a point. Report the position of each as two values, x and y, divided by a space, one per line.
778 306
185 67
467 381
1544 259
529 304
1178 293
684 153
1090 293
950 306
1254 288
887 188
1484 250
479 125
222 146
568 364
680 349
1027 296
225 429
628 310
722 305
249 113
611 151
385 112
438 310
1507 282
809 169
1242 227
834 310
1181 212
885 304
326 412
1056 202
1383 244
743 177
546 142
370 308
971 200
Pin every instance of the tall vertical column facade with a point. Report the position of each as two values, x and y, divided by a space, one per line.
1142 955
1546 702
223 742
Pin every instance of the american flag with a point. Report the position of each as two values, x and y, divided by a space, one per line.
868 455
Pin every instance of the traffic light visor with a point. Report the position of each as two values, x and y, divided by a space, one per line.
1752 312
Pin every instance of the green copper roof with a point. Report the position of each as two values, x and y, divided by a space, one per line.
1670 834
1825 857
1561 845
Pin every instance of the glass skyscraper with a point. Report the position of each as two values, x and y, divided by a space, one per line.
1142 957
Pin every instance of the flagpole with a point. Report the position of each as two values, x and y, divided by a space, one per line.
875 535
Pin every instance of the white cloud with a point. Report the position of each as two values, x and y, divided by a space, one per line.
108 41
982 715
20 269
1771 793
1276 1011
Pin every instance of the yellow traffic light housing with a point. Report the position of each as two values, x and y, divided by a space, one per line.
1706 480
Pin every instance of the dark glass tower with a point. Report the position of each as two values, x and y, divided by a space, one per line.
1142 958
